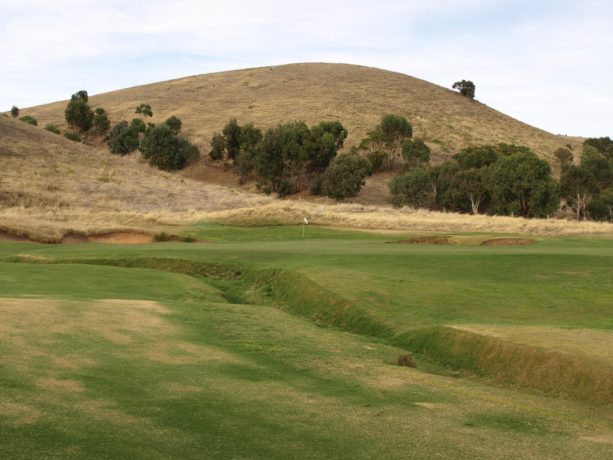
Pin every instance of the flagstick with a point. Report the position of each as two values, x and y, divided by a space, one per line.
303 226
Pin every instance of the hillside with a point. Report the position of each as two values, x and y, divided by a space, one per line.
51 184
355 95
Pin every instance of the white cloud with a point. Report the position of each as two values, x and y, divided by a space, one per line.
545 63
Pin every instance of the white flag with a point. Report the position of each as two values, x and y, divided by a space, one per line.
306 222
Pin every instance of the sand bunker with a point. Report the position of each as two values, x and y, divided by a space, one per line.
109 238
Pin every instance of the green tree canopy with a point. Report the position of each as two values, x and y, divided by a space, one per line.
144 109
476 157
79 115
101 122
281 157
162 148
345 176
415 152
578 185
389 136
124 138
412 188
466 88
522 185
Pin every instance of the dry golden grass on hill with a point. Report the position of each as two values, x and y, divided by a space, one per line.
51 186
355 95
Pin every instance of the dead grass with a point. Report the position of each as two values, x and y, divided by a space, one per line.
355 95
522 362
59 180
592 344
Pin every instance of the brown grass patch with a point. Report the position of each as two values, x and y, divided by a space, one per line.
592 344
508 242
17 413
436 240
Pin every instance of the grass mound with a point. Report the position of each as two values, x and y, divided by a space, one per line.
516 364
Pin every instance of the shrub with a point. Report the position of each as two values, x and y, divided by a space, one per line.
174 123
79 115
30 120
466 88
377 159
144 109
411 188
14 112
52 129
415 152
162 148
101 122
345 176
73 136
123 138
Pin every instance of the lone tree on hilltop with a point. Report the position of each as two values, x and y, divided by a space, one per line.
466 88
14 111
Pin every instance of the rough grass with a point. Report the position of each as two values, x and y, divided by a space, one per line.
524 364
51 187
550 371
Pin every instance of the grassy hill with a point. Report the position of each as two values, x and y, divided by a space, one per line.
50 185
355 95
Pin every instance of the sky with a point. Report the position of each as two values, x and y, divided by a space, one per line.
547 63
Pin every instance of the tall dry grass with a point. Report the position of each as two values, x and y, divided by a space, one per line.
355 95
50 186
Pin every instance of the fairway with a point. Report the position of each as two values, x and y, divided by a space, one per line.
257 343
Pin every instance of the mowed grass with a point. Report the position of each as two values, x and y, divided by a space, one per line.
104 361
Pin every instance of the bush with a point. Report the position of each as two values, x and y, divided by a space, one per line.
123 138
79 115
30 120
162 148
73 136
345 176
14 112
52 129
466 88
415 152
377 159
174 124
101 122
144 109
412 188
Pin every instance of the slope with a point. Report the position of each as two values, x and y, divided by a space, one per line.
355 95
50 184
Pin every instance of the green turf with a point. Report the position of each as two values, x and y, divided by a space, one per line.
236 368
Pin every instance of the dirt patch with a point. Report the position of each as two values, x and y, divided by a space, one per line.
109 238
6 236
436 239
508 242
